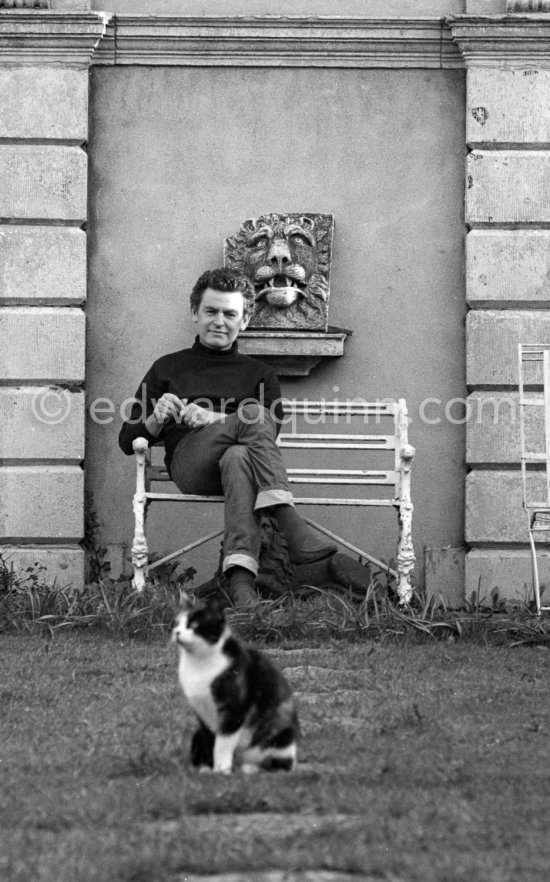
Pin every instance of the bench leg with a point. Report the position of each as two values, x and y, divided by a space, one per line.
405 552
140 550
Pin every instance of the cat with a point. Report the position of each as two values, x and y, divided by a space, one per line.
245 707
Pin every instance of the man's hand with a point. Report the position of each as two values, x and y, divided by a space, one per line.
168 407
196 416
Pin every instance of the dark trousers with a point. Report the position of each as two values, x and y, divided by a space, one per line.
239 458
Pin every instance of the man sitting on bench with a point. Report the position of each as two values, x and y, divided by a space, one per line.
218 414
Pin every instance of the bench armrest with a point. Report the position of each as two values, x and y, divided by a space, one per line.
140 445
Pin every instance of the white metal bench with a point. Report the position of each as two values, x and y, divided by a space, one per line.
349 447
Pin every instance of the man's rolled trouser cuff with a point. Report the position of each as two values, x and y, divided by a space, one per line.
276 496
240 560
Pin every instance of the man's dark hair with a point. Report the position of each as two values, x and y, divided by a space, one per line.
223 279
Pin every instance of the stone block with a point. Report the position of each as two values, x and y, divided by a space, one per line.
42 344
43 182
444 574
494 506
508 187
506 571
41 503
42 265
508 106
492 338
507 266
51 564
42 102
493 428
41 423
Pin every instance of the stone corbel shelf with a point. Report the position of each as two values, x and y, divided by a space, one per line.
294 353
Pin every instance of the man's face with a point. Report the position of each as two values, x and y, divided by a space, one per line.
220 317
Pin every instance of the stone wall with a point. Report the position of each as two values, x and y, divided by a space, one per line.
44 58
507 273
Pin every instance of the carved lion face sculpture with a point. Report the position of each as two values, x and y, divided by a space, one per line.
287 259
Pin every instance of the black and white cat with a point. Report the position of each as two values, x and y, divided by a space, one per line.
245 707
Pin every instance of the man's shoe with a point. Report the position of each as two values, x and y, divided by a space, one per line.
304 544
240 587
241 594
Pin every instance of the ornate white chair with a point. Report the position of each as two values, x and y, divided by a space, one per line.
534 371
314 449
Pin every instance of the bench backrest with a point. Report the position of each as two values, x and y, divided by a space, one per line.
336 452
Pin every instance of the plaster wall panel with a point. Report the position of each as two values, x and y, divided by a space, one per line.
507 267
508 187
174 170
506 571
445 574
64 566
42 265
41 502
493 428
494 506
43 103
43 182
41 423
508 106
492 339
39 343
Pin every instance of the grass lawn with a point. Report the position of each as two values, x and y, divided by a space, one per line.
422 760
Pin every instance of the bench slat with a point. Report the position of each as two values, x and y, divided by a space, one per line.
378 479
343 473
183 497
356 482
302 500
351 408
314 500
323 444
299 476
328 436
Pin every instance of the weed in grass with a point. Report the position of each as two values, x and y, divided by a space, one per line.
29 604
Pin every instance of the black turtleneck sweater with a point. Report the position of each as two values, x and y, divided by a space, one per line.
218 380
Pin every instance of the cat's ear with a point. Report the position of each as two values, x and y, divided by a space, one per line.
216 607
